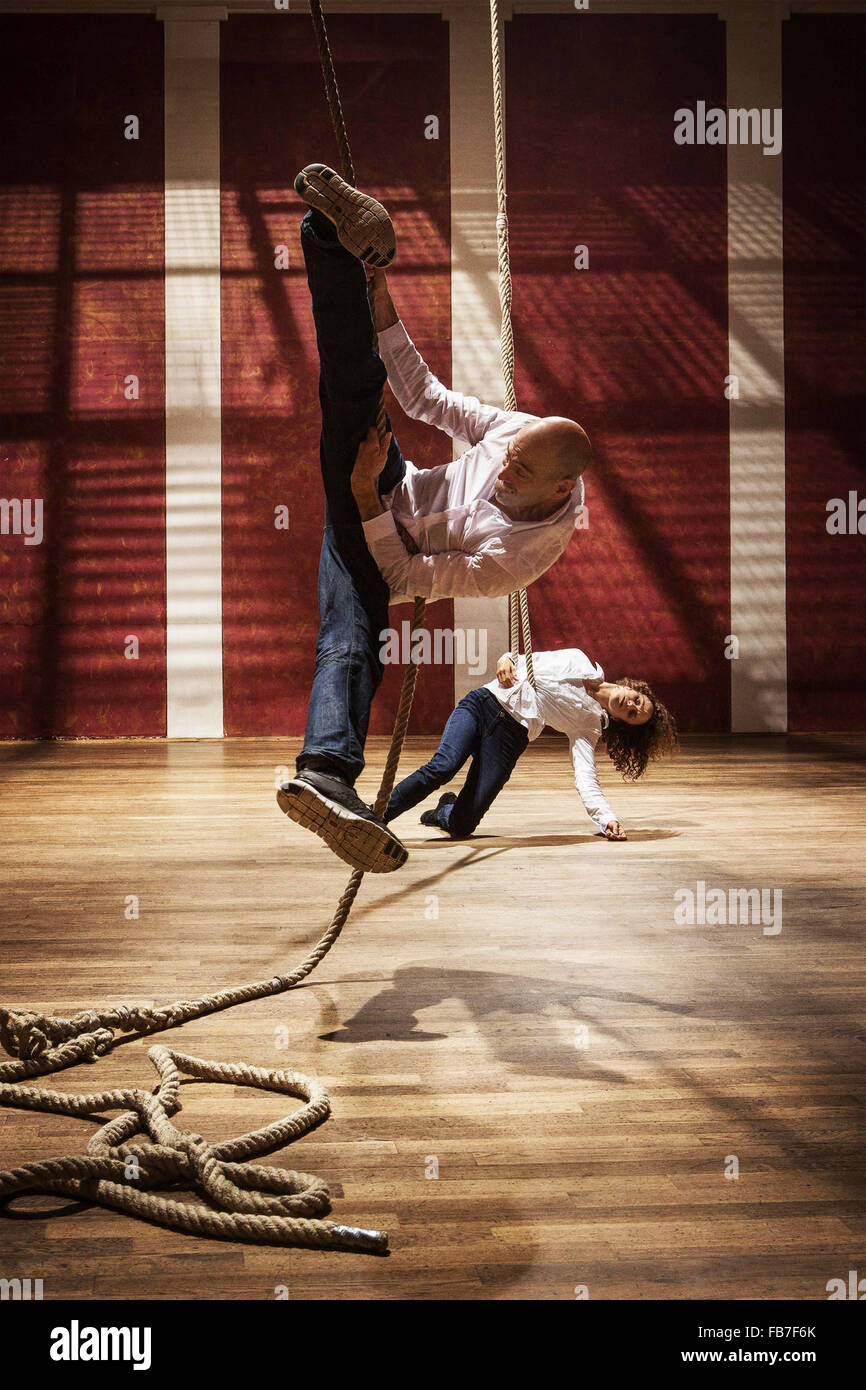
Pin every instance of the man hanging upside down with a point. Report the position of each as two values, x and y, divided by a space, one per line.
494 724
488 523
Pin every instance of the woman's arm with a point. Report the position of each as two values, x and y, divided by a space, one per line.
591 794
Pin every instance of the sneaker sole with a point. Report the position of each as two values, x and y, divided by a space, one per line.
363 225
356 841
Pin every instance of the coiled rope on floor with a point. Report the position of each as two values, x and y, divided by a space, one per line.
266 1206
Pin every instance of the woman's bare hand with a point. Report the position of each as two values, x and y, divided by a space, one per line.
505 672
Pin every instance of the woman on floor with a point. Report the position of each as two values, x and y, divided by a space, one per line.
495 723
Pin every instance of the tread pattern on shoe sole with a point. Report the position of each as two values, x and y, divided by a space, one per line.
359 219
357 842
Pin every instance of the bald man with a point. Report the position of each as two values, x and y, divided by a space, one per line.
484 525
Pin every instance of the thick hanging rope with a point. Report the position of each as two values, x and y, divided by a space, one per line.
347 167
518 604
332 91
269 1206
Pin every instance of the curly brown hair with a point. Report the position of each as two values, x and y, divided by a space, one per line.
631 747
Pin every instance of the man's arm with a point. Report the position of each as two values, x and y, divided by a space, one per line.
489 572
381 303
418 391
370 459
451 573
448 574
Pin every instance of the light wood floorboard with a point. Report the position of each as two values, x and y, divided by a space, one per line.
521 1007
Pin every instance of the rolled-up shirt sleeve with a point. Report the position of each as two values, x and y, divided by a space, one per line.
586 781
488 572
450 574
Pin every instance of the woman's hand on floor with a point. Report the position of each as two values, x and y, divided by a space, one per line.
615 831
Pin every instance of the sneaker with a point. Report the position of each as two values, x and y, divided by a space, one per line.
429 817
332 810
363 225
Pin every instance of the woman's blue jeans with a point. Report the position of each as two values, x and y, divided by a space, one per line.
478 728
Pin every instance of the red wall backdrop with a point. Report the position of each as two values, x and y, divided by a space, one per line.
635 347
824 59
393 72
82 307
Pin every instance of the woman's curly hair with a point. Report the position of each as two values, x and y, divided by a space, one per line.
632 746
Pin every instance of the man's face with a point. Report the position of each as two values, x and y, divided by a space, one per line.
521 482
630 705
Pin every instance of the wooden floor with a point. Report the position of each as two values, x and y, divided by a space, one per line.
523 1009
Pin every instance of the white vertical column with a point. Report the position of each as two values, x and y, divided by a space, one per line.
757 419
192 366
475 366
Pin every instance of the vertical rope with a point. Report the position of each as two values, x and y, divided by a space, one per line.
527 636
517 602
506 336
332 91
338 121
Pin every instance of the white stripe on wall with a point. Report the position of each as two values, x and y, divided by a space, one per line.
192 367
475 367
759 697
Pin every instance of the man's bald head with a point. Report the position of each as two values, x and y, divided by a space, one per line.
541 464
557 447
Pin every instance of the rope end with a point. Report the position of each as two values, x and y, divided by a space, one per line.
356 1238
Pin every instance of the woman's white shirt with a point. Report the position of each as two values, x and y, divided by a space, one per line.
561 700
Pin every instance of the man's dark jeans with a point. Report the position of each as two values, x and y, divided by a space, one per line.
353 596
481 727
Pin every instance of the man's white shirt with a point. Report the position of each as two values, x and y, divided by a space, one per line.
561 700
468 546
